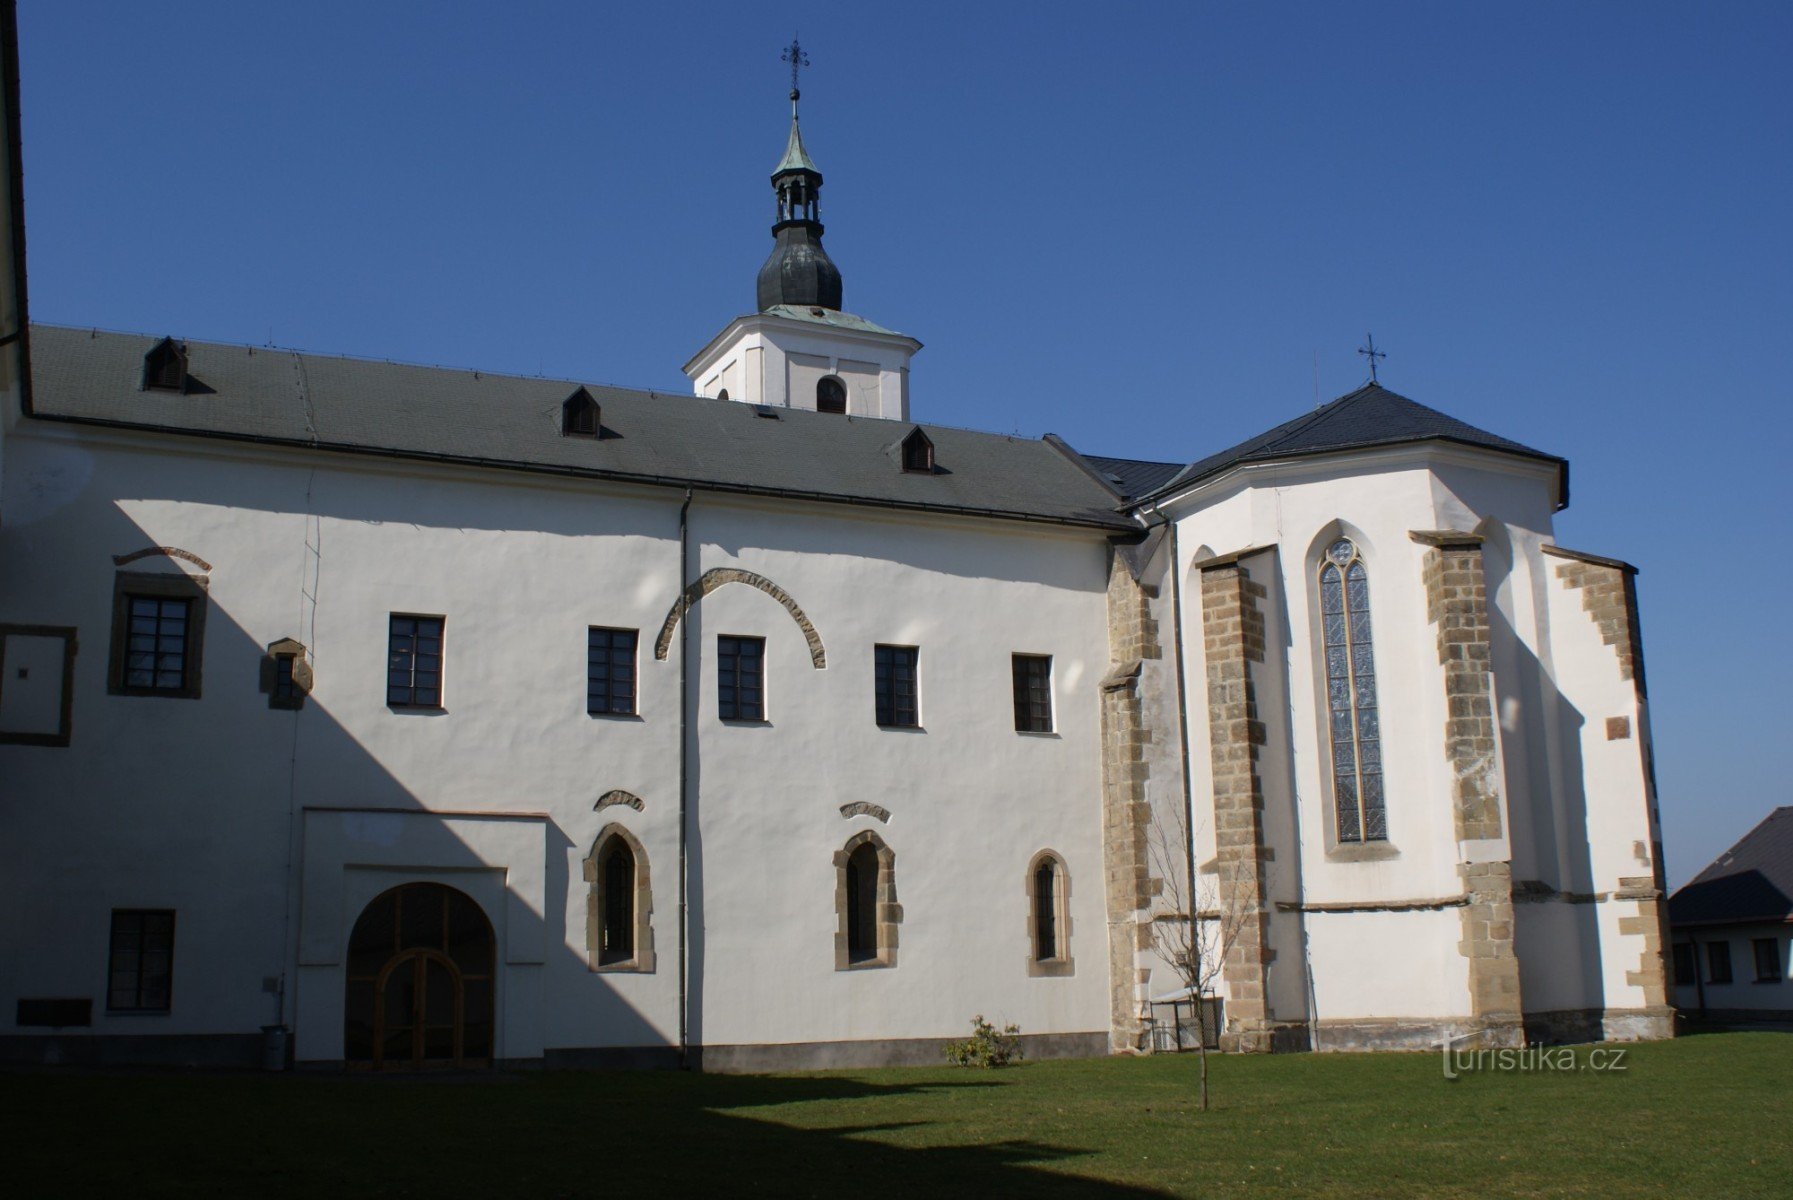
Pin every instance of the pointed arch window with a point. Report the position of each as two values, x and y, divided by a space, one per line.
1048 915
1352 717
831 395
616 875
866 908
619 934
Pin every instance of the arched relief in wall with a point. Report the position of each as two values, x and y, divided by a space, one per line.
617 796
714 578
861 808
119 560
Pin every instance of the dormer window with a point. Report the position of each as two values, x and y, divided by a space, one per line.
918 453
165 367
831 395
579 415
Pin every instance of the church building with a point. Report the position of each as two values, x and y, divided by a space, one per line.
383 716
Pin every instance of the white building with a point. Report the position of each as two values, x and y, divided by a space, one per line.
1730 925
442 716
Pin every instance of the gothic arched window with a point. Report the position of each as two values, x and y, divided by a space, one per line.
866 910
1045 910
616 902
831 395
619 934
1351 695
1048 915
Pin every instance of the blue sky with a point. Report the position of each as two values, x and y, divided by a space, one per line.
1151 229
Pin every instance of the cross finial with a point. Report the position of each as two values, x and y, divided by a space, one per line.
794 55
1369 351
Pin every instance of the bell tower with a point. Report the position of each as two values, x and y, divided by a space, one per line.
800 349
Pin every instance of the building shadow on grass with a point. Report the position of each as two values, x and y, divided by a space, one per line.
558 1134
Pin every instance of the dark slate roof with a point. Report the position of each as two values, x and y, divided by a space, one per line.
356 405
1133 477
1370 416
1752 881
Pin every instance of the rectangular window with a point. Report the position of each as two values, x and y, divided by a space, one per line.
741 678
142 960
894 668
1685 966
1768 960
156 655
414 662
1033 693
610 670
1718 962
158 623
286 692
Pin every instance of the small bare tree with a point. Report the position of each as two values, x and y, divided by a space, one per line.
1194 930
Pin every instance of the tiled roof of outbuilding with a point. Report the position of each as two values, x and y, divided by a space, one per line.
1752 881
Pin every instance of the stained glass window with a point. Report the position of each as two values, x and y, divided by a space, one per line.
1352 720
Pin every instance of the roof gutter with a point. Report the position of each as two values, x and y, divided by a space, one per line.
1116 525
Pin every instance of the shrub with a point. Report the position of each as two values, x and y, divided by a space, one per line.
987 1046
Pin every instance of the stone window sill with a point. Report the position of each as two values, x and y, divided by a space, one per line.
1362 852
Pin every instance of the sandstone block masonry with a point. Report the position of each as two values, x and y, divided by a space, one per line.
1233 635
1126 812
1457 606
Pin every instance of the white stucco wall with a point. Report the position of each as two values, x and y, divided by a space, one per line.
1746 991
230 813
765 358
1376 499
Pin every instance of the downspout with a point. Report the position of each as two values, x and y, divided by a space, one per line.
1176 614
684 776
1176 611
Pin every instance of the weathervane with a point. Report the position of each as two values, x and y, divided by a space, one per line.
794 55
1369 351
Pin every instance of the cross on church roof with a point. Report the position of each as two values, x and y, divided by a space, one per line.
794 55
1369 351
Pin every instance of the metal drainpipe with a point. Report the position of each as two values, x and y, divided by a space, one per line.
684 774
1176 611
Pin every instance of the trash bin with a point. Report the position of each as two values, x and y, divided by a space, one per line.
273 1047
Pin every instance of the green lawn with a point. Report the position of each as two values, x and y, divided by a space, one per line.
1706 1116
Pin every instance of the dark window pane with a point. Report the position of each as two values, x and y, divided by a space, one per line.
1033 693
894 685
140 960
1045 910
739 673
1768 959
156 644
414 663
862 904
610 670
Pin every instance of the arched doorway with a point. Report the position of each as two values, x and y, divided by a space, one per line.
419 981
